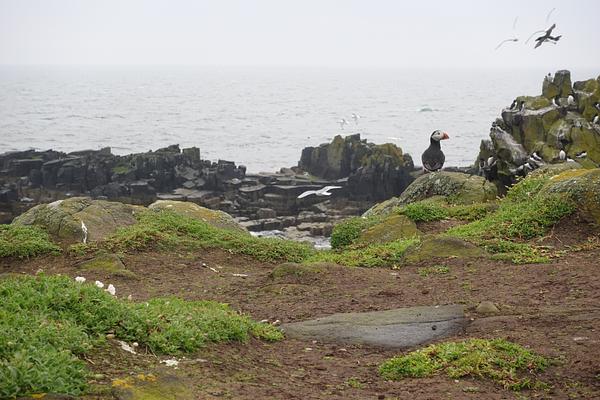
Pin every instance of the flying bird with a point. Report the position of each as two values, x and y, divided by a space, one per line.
433 158
321 192
343 122
506 40
356 117
547 37
549 14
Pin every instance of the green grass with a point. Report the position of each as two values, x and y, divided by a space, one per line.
348 231
25 241
48 323
501 361
522 215
435 270
425 211
166 230
374 255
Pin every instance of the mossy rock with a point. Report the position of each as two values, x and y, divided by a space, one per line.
107 263
297 271
394 227
62 219
149 387
384 208
443 247
550 170
215 218
580 185
458 188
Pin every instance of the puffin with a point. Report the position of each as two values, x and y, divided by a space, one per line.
433 158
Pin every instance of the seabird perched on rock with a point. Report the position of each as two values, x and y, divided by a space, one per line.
596 120
583 154
522 107
537 157
514 104
84 229
547 37
571 101
321 192
554 103
562 155
343 122
491 161
433 158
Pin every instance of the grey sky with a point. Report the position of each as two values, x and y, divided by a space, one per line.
300 33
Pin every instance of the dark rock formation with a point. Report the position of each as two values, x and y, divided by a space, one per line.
374 172
534 134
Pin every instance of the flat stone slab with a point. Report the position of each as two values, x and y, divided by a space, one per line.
398 328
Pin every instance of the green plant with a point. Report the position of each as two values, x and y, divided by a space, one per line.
436 269
425 211
47 323
166 230
25 241
501 361
348 231
374 255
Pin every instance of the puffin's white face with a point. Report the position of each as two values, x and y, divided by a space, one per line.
439 135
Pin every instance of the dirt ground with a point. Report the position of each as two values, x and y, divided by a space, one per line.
553 308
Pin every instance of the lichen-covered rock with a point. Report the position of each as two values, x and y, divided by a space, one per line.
559 85
215 218
394 227
63 218
443 247
535 134
457 187
107 264
582 186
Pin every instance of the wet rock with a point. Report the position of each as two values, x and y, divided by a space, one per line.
264 213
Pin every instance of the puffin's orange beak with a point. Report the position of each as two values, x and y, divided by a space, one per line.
445 136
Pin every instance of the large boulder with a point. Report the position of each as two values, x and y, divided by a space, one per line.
393 227
374 172
215 218
457 187
582 186
63 218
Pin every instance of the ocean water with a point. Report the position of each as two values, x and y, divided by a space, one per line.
258 117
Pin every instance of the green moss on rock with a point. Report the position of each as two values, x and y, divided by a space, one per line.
443 247
107 263
458 188
216 218
389 229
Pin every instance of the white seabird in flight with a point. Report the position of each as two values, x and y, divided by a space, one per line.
321 192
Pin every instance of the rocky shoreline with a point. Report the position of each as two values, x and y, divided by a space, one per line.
531 133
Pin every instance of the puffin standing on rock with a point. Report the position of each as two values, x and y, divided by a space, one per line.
433 158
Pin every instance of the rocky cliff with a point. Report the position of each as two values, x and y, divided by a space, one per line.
374 172
560 125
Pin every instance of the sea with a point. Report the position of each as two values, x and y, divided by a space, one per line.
260 117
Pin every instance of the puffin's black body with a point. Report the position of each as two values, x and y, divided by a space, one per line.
433 158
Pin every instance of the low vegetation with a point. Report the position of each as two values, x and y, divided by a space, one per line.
166 230
48 323
25 241
374 255
501 361
435 210
348 231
